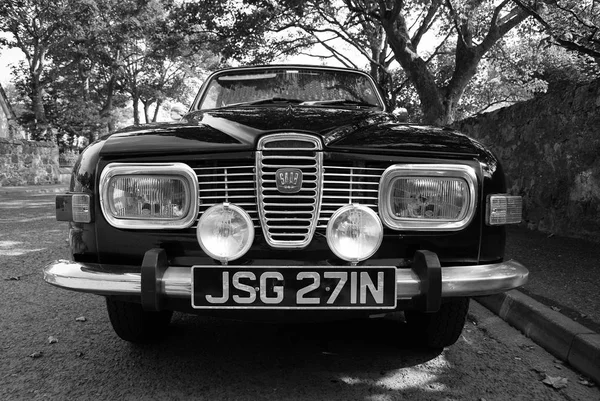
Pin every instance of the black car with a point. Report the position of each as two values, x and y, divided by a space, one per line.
288 193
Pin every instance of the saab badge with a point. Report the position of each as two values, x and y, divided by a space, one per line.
289 180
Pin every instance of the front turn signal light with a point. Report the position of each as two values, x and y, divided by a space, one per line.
503 209
73 207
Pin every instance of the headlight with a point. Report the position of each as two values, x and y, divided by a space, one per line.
145 196
225 232
354 233
427 197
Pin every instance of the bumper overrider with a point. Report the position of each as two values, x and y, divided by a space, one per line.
425 282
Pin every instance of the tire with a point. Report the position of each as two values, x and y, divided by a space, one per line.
442 328
132 323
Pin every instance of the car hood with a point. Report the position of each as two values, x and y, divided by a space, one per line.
238 129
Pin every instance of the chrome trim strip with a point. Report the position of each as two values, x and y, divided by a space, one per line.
176 281
148 169
464 172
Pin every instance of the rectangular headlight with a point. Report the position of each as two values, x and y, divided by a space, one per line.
144 196
427 197
503 209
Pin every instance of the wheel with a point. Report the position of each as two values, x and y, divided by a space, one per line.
442 328
134 324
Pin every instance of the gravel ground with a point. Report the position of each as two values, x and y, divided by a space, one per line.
564 272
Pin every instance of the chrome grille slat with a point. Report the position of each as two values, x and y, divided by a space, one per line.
250 174
376 169
345 182
338 205
349 198
215 198
346 190
280 157
290 235
277 166
288 212
231 190
232 167
296 198
251 182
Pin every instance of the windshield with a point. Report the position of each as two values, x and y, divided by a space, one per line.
304 87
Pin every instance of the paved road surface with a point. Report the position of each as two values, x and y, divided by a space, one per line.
204 358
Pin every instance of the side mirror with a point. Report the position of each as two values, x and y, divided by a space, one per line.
176 113
401 114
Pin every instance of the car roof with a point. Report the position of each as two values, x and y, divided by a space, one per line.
288 66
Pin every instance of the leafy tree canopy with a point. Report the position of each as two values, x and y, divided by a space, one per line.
442 59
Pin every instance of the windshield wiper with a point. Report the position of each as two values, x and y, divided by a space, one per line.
339 102
267 101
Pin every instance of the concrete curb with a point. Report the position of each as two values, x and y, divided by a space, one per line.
34 189
561 336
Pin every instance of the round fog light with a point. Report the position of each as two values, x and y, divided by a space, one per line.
354 233
225 232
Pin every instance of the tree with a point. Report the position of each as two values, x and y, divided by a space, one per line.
380 31
477 30
574 25
158 57
36 27
109 51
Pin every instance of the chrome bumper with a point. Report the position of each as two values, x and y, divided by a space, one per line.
176 281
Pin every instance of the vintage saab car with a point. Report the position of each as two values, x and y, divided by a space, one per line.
288 193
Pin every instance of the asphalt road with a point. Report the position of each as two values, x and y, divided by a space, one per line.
564 272
46 353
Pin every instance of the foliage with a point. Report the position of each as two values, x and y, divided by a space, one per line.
36 27
572 24
93 56
379 32
86 60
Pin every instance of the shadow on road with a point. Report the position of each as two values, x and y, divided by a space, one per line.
242 360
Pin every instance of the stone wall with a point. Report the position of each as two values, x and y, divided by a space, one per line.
25 162
550 150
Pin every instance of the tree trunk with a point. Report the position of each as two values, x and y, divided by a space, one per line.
106 110
432 103
158 104
136 111
37 101
147 110
439 104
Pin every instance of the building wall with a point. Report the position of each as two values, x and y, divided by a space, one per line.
25 162
550 150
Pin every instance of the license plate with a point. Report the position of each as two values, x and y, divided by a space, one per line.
304 287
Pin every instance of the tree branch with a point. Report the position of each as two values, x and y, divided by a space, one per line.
427 22
567 44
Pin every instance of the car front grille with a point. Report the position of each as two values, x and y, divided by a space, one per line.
289 220
343 185
228 183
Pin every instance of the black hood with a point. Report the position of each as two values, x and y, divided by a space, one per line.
238 129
